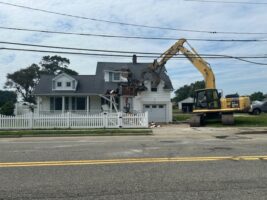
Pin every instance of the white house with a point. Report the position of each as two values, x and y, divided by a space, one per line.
114 87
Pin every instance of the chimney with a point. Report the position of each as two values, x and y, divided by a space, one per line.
134 59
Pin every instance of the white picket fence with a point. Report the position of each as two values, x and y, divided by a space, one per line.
75 121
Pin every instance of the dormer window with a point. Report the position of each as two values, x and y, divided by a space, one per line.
154 89
68 84
64 82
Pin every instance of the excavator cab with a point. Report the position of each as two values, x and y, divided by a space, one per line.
207 99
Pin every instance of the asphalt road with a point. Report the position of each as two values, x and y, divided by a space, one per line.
206 165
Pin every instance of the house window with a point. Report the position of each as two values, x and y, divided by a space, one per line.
81 104
73 103
55 103
59 84
116 76
58 103
110 76
68 84
154 89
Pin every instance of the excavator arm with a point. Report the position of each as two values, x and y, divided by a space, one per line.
202 66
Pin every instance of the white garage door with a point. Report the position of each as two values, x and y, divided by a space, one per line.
156 112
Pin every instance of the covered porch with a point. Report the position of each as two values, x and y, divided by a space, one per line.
87 104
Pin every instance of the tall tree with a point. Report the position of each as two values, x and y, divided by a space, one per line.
257 96
7 108
188 90
24 81
54 65
7 102
6 96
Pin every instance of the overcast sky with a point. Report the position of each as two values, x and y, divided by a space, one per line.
231 75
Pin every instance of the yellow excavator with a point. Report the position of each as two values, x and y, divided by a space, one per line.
208 102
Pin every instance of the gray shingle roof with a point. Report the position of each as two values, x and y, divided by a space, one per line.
95 84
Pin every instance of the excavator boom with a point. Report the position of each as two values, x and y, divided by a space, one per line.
201 65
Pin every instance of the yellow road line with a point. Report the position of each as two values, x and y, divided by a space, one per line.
130 161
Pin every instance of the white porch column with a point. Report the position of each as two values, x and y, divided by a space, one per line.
87 104
38 105
63 104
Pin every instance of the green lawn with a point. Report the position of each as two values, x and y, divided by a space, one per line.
251 120
180 116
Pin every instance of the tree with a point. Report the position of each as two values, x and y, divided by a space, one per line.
54 65
6 96
24 81
257 96
7 108
188 90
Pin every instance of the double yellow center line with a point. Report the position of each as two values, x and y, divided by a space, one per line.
130 161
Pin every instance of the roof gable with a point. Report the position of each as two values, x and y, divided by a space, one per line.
63 75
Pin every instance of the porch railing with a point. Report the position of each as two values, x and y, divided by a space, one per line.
74 120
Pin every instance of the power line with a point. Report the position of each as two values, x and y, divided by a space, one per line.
131 24
229 2
130 37
118 55
119 51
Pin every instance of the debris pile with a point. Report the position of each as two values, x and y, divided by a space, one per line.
154 125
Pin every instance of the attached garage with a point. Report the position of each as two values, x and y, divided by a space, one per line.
156 112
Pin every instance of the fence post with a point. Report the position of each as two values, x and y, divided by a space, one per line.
105 119
31 120
146 119
68 119
120 120
119 115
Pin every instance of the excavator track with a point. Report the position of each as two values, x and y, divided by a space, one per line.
196 121
227 119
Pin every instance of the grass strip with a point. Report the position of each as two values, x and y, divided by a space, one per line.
241 120
87 132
